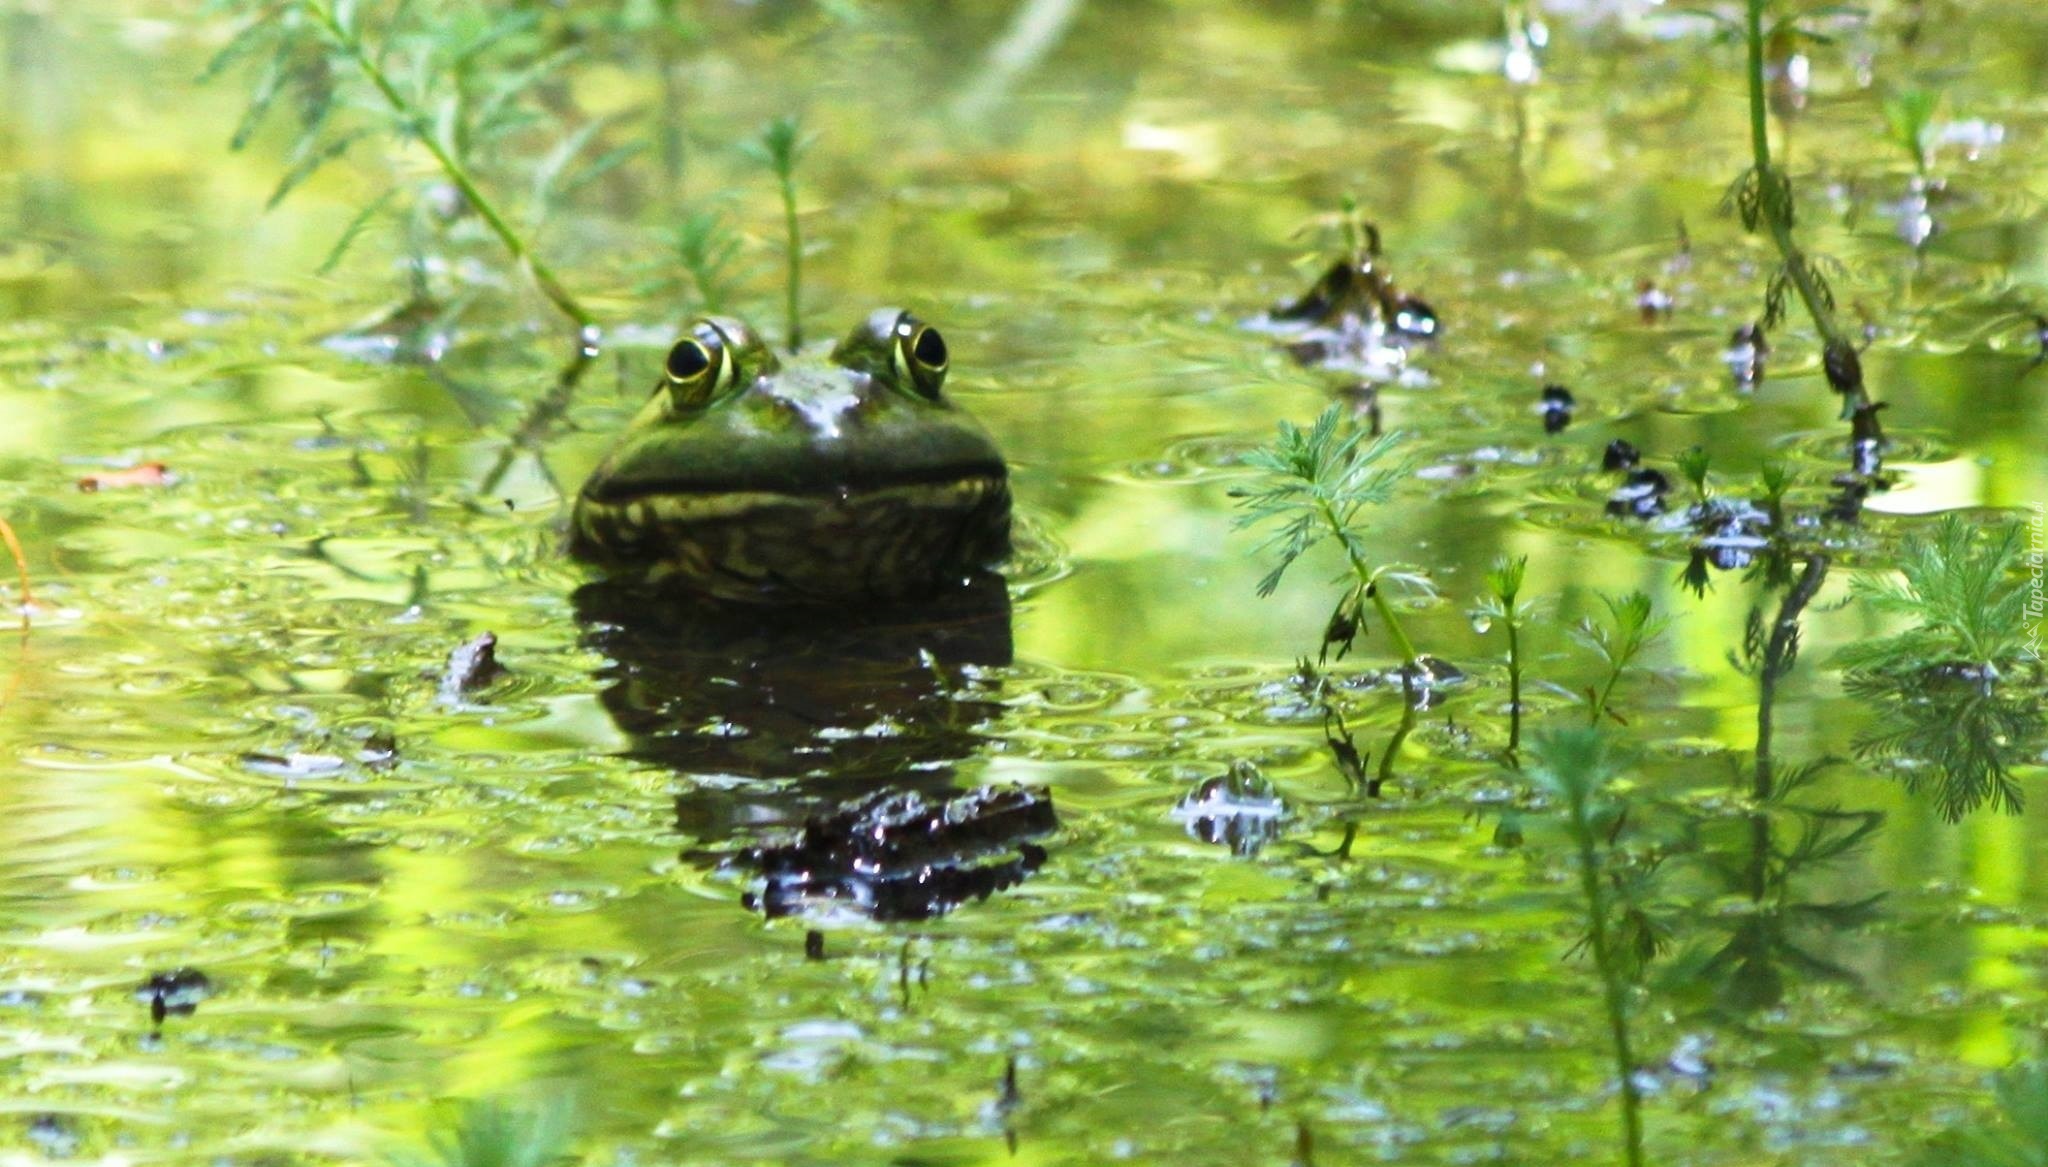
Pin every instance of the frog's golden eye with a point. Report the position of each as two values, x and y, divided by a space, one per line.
688 360
697 367
921 352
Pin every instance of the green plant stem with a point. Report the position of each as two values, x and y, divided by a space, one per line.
1393 750
1759 124
791 314
1514 690
1606 693
1614 992
1777 213
415 127
1777 662
1363 572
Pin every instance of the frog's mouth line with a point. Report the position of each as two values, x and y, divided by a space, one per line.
617 494
648 509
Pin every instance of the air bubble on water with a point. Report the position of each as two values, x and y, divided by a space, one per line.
1481 622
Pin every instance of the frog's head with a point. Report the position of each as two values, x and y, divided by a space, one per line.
851 476
1355 289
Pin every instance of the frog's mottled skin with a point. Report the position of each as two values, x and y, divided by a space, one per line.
846 478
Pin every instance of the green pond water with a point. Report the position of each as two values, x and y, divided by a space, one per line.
223 746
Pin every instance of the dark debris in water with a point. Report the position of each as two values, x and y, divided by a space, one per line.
1621 455
1641 495
902 855
1426 678
472 667
1556 406
1747 349
1240 810
55 1135
1652 302
176 993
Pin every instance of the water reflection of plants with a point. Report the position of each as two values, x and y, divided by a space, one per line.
1957 690
1576 769
497 1133
2016 1137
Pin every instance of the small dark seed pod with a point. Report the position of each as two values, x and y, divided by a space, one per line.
1844 367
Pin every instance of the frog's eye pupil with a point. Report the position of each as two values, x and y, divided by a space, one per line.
929 348
687 360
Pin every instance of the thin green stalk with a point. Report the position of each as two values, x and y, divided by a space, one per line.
1393 750
1777 662
1386 611
1363 572
415 125
1606 692
1504 602
781 145
1514 688
1774 195
792 290
1759 124
1584 832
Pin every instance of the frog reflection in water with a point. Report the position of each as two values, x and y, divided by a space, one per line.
795 613
846 480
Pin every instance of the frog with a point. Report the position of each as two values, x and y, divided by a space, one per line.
1355 287
758 478
1353 319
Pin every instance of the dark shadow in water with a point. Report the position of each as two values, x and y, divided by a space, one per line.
1763 856
824 743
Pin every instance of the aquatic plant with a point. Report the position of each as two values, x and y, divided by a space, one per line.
497 1133
1693 465
1762 854
1630 627
706 248
1316 484
1952 737
1773 847
1909 117
781 146
1770 650
2017 1137
1576 768
1775 480
1762 196
433 94
1504 604
1960 587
